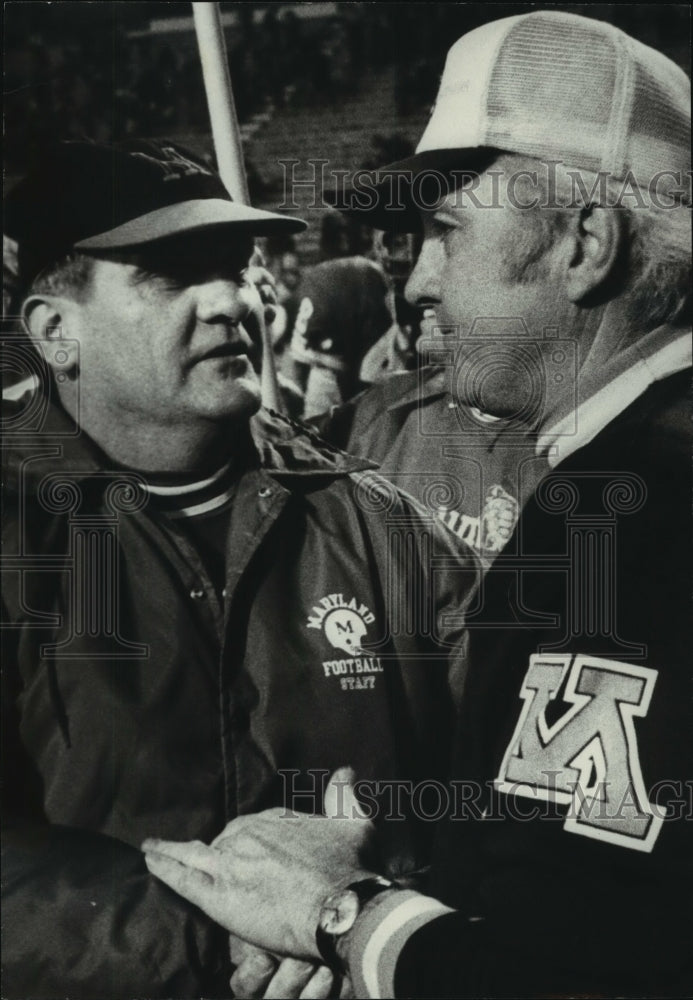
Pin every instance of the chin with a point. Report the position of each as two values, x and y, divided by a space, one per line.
238 402
502 408
509 405
497 383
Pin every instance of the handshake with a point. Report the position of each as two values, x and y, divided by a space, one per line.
265 879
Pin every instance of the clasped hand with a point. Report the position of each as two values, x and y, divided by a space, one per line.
264 879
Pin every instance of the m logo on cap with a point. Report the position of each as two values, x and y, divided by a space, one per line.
175 165
588 757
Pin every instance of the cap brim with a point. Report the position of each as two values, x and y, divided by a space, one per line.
191 216
392 197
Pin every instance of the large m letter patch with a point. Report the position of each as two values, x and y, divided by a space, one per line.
587 758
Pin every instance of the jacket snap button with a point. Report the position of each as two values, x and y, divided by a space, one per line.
264 492
197 594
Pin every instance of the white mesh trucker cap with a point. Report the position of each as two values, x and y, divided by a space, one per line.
559 86
556 85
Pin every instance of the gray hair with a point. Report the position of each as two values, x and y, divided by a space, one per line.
655 268
69 276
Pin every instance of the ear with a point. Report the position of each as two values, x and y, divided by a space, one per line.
47 318
596 245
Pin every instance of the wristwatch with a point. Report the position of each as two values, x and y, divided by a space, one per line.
338 915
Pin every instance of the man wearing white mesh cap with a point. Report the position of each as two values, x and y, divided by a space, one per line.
551 184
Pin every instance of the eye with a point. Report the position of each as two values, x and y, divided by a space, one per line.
176 274
169 281
441 231
160 279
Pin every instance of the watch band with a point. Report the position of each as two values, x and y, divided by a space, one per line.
364 890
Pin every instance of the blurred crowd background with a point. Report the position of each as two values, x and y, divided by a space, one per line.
351 83
111 70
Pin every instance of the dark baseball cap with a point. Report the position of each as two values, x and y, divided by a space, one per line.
91 196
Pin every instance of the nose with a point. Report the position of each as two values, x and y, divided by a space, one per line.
223 300
424 283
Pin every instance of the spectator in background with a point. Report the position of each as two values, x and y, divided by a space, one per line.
342 313
334 236
288 281
395 351
283 294
344 236
396 252
288 275
283 262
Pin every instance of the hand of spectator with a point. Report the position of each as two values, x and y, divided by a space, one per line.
266 285
265 876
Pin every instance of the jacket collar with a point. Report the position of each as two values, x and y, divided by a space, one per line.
287 447
607 391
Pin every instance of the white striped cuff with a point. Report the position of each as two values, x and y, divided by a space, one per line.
379 936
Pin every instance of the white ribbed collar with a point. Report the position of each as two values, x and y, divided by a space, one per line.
583 423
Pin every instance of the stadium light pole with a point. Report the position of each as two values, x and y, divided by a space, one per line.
227 145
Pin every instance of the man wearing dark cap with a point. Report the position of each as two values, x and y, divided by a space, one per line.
342 313
205 611
562 866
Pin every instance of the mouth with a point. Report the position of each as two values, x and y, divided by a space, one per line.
431 331
230 349
428 322
238 355
232 358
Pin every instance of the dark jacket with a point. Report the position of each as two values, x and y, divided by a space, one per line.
136 705
583 892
